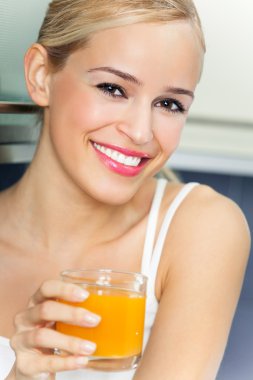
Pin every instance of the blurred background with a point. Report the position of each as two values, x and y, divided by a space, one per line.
217 143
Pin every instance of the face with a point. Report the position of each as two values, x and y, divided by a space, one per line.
117 109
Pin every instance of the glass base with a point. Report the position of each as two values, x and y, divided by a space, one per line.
99 363
110 364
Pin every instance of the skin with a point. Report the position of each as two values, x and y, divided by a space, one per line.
47 211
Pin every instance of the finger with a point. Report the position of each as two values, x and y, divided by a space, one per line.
59 289
51 311
50 339
34 365
41 376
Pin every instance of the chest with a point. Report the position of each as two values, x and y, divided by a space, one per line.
22 272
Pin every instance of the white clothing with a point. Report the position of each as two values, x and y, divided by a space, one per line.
150 261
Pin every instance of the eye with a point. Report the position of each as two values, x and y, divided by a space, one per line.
171 105
112 90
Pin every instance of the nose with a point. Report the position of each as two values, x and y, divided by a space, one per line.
136 124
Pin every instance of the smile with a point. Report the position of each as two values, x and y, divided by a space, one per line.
122 161
118 156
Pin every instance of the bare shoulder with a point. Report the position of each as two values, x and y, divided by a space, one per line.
205 213
214 214
208 230
6 213
4 204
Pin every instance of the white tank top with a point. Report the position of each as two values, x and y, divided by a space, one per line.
150 261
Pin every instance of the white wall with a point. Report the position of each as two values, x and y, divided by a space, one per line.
226 88
219 137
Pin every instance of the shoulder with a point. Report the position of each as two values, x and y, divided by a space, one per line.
209 232
6 213
206 211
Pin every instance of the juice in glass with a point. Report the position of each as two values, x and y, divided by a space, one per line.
119 298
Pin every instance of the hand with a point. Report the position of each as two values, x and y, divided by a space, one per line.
35 339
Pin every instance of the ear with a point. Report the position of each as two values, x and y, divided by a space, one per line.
37 74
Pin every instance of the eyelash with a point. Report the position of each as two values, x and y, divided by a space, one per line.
110 88
173 102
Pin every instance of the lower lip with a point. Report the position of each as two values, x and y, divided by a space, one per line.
127 171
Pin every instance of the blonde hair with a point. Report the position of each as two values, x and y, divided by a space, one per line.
69 24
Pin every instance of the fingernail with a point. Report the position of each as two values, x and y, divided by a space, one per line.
80 294
88 347
81 361
92 319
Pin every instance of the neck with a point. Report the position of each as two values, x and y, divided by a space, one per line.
57 213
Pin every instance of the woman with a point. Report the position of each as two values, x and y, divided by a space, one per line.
115 81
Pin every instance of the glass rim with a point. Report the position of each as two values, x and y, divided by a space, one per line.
68 272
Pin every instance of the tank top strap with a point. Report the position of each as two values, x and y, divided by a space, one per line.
151 226
157 252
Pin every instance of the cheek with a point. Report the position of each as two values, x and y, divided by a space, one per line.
74 112
73 108
168 134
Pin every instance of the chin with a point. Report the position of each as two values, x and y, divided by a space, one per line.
114 192
116 196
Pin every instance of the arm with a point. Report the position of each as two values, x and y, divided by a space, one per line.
205 256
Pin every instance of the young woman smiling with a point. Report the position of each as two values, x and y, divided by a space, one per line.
115 81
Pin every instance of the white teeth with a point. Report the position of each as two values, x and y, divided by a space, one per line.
121 158
118 157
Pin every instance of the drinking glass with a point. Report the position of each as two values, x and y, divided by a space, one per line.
119 298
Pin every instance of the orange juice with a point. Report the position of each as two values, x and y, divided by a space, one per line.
120 332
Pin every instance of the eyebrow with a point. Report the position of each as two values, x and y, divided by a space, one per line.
180 91
131 78
119 73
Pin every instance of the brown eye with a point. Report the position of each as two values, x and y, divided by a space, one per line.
171 105
112 90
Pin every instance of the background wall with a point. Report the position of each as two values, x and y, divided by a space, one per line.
225 90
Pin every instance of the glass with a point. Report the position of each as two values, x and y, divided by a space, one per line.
120 299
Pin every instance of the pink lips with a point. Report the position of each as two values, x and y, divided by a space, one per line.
119 168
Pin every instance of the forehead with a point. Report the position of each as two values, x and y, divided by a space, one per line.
147 49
